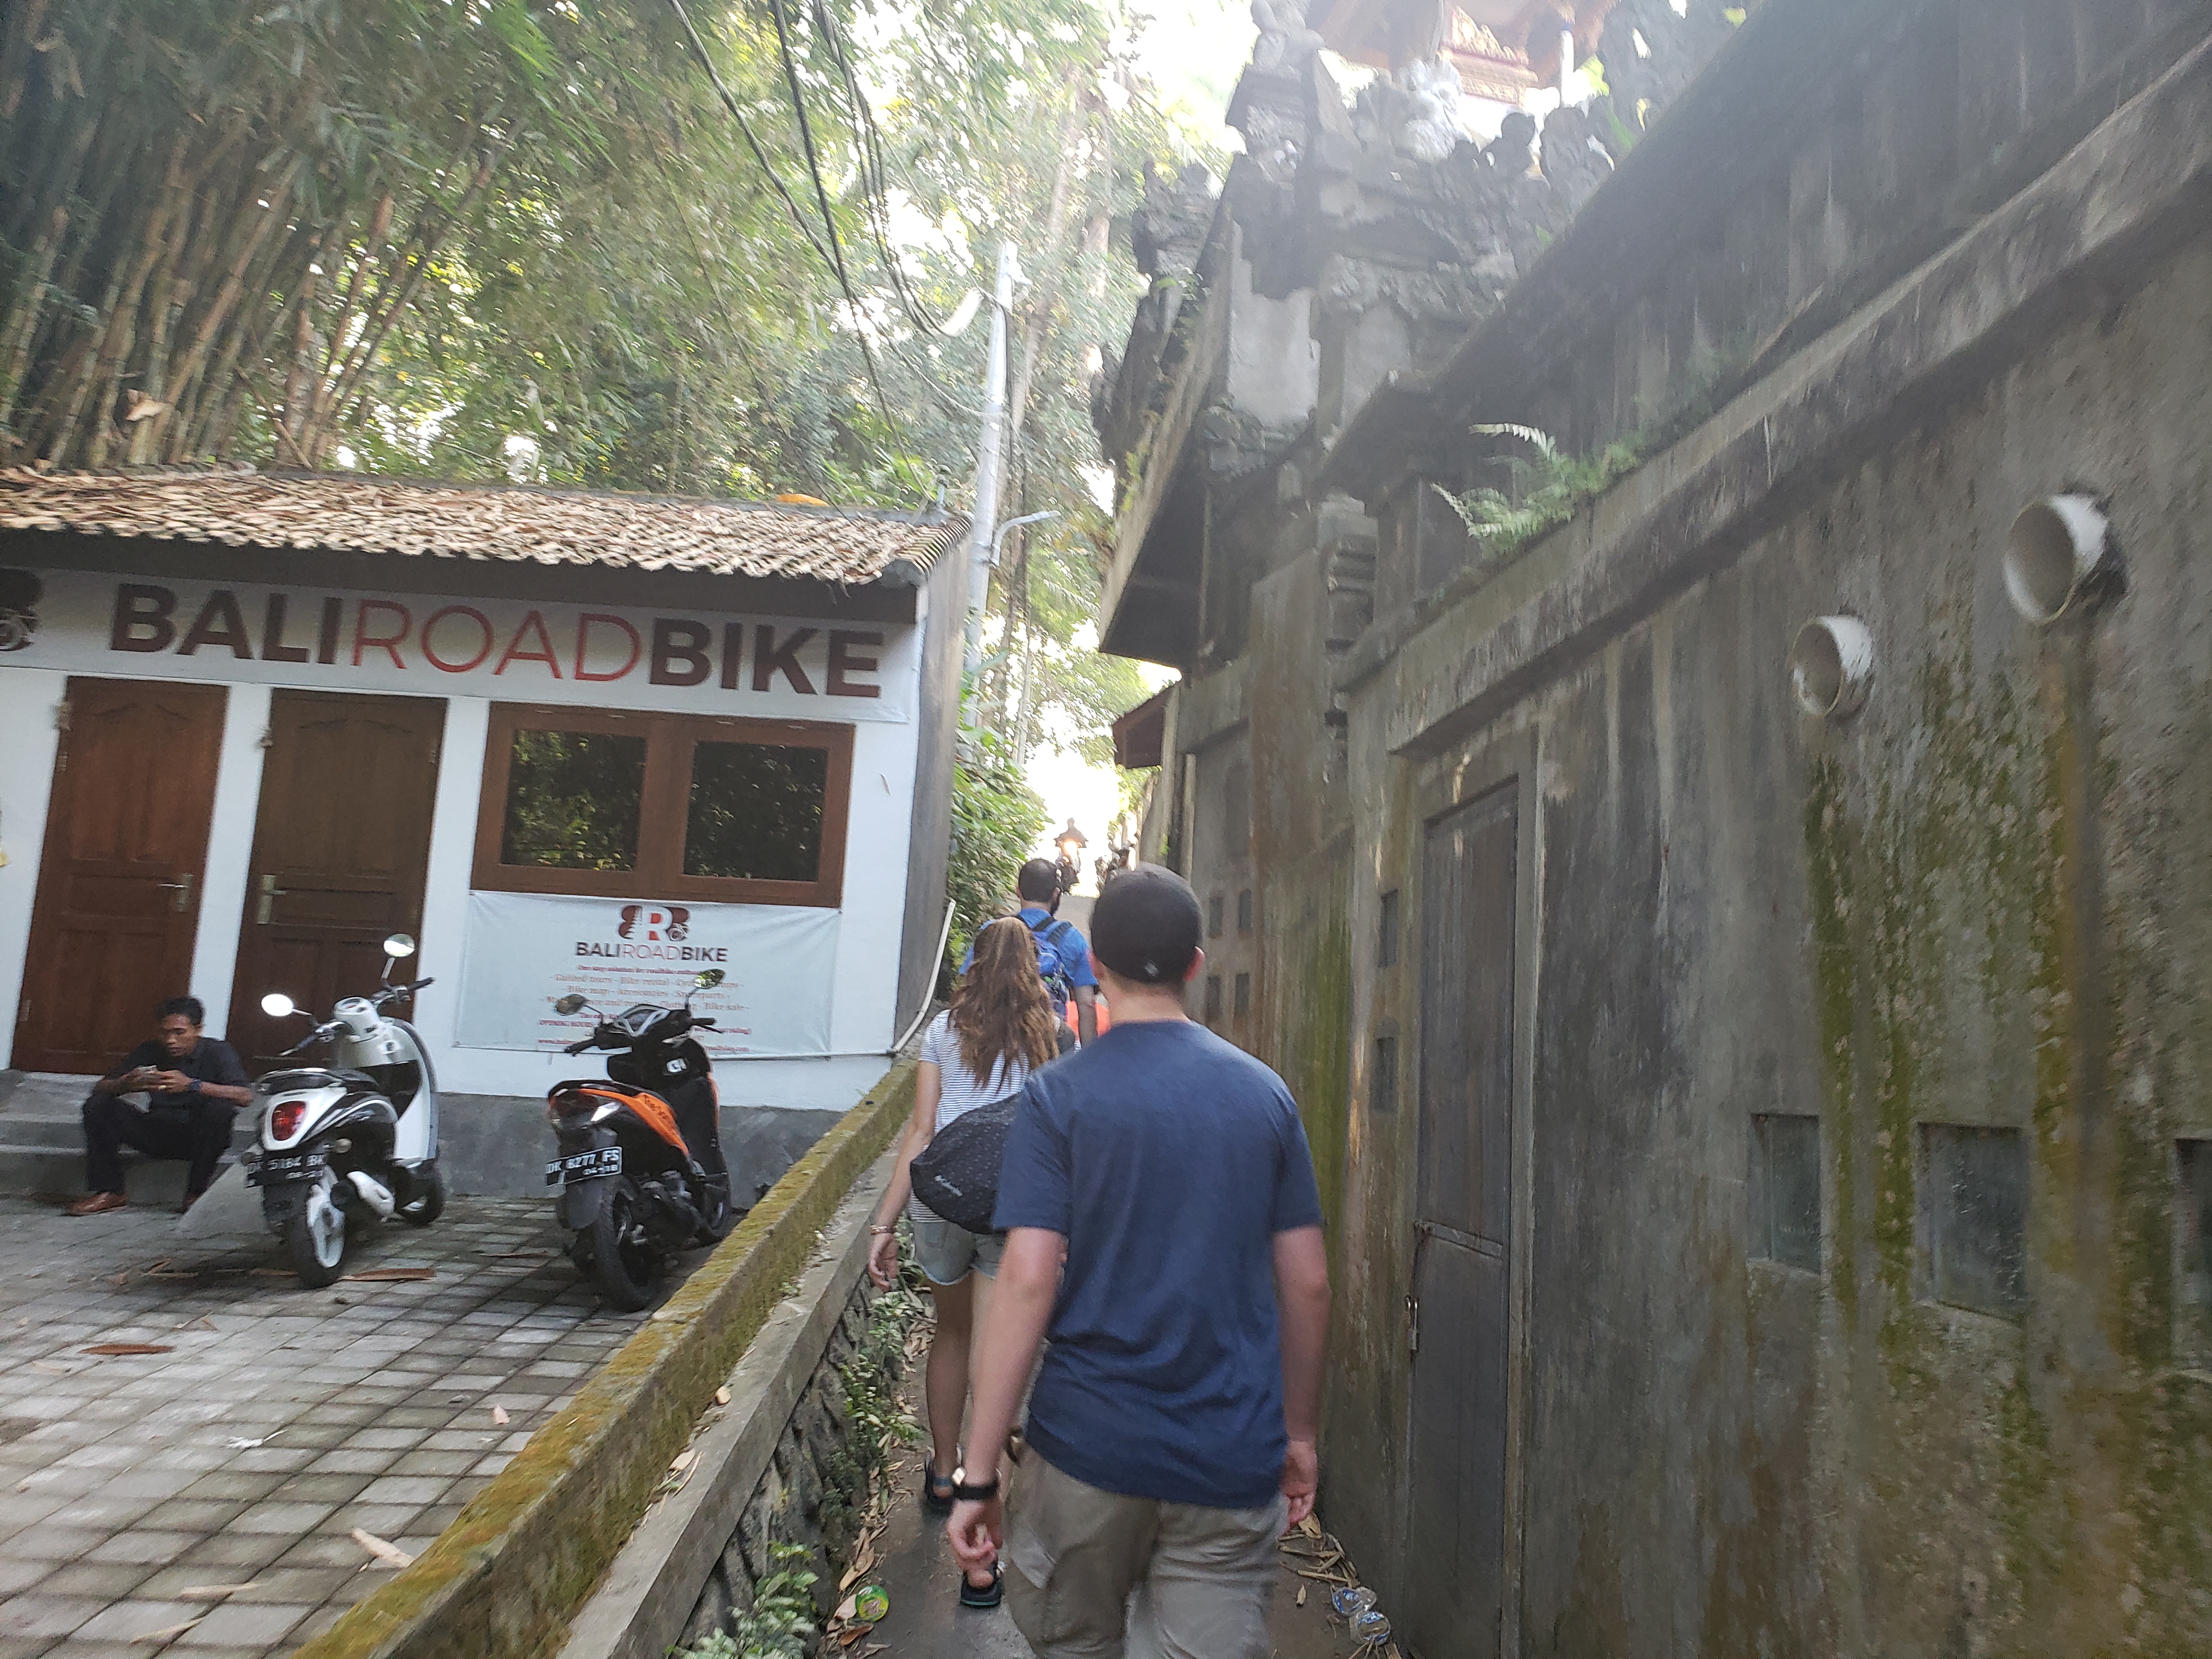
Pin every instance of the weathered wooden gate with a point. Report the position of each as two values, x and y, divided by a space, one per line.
1456 1450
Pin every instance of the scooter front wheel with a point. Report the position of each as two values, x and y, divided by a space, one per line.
623 1262
315 1237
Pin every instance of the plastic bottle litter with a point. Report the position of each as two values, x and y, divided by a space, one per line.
1350 1601
870 1604
1372 1629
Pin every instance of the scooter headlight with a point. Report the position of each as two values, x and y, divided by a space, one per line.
285 1120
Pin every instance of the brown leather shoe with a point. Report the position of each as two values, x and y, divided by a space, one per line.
97 1204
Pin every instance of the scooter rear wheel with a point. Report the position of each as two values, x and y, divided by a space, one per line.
719 1215
432 1204
623 1262
315 1238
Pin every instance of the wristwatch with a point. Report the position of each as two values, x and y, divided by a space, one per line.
964 1493
194 1087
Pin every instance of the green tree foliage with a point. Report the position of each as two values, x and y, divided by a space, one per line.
996 819
526 239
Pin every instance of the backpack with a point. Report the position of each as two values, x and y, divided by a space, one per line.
1056 961
957 1175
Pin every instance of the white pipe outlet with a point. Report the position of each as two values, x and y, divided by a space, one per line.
2055 551
1832 666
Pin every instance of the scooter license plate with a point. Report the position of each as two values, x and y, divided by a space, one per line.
276 1169
584 1166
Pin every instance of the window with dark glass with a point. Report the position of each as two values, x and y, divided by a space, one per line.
1213 917
1244 911
635 806
756 812
573 800
1213 999
1243 993
1386 935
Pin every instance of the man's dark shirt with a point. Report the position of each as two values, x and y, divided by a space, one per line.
1168 1161
212 1060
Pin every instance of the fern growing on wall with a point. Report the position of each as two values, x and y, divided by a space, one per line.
1549 488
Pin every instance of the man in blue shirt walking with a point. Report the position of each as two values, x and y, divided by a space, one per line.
1170 1435
1063 955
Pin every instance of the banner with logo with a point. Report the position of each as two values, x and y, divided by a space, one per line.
523 951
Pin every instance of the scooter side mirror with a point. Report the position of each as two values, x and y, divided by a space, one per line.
278 1005
399 944
708 978
569 1004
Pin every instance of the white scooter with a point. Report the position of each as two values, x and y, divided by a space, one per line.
354 1140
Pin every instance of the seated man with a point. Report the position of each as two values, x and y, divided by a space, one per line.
195 1083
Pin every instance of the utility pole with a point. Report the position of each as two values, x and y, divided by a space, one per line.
983 525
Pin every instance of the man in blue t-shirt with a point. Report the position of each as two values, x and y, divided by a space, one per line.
1170 1435
1063 955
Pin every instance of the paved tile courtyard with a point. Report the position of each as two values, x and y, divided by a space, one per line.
280 1420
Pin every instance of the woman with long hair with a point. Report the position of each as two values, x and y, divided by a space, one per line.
997 1030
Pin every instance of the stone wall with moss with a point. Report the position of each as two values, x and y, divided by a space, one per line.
801 1520
1984 904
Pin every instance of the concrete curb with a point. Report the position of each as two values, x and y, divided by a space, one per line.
639 1610
502 1582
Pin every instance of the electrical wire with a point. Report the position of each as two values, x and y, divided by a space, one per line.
832 254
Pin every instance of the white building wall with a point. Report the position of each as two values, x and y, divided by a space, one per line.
230 850
30 737
866 977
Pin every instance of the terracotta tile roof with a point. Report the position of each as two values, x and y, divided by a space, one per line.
351 512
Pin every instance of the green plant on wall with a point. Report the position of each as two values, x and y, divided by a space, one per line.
780 1624
996 819
1548 489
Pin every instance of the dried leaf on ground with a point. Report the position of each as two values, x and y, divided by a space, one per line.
389 1553
392 1275
168 1632
108 1349
499 1415
683 1460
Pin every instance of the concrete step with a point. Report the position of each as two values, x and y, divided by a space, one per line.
61 1170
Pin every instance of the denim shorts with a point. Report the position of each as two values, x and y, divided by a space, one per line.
946 1252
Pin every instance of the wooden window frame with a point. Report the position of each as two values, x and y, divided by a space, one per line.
663 806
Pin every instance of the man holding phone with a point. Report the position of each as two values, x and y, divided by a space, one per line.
195 1084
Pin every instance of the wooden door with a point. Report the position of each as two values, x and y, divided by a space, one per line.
1456 1550
118 905
339 850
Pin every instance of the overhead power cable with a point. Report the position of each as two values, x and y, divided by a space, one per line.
832 253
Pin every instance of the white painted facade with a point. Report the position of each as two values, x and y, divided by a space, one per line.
862 995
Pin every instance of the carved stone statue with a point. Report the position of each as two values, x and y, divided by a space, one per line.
1286 43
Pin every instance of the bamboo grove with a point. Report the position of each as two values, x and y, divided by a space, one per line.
528 240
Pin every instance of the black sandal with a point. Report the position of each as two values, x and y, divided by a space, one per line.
990 1595
931 1481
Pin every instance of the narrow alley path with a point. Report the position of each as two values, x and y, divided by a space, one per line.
926 1620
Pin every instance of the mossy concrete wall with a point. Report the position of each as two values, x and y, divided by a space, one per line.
501 1581
1984 902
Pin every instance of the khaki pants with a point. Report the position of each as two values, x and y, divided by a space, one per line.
1094 1575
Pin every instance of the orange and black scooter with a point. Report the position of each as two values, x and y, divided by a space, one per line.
640 1161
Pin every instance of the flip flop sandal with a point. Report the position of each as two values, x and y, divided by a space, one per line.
932 1483
990 1595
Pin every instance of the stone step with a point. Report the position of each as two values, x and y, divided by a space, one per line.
36 1168
67 1134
